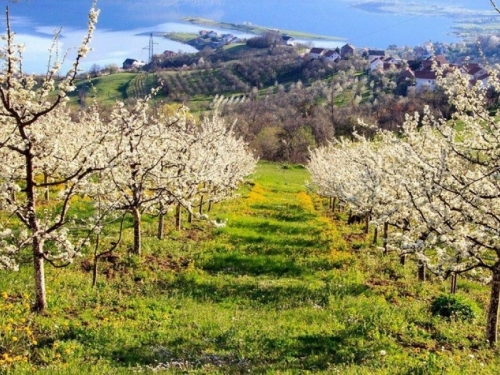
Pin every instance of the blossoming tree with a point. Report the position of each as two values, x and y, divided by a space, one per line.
447 176
37 138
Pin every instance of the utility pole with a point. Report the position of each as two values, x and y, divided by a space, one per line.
151 43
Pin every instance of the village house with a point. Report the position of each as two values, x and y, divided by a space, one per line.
425 80
211 34
425 77
132 64
474 71
347 50
406 75
287 40
316 52
228 38
439 60
331 56
167 54
385 63
373 54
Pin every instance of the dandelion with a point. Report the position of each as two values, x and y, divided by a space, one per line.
382 353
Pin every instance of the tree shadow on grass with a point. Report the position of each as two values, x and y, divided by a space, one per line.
262 259
315 352
267 227
319 351
278 240
283 295
254 265
285 213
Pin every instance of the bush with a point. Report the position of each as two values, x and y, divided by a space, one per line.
453 306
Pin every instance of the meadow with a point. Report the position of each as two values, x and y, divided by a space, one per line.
286 287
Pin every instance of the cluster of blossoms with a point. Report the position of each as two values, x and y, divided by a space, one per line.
437 181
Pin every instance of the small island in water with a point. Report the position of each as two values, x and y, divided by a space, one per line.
193 39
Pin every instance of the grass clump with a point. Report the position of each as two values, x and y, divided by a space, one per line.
453 306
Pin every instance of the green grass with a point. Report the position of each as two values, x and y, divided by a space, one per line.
106 89
285 288
182 37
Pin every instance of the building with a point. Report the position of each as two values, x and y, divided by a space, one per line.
347 50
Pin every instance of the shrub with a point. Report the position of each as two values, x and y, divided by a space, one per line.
453 306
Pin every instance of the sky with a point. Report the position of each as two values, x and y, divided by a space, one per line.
125 25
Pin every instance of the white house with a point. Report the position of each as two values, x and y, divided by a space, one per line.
376 63
385 63
425 80
374 53
331 55
316 52
287 40
133 64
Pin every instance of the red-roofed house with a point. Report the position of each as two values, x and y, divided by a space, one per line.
331 55
425 79
316 52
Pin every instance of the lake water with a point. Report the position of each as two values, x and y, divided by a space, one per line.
124 25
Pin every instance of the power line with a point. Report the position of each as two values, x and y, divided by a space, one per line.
150 47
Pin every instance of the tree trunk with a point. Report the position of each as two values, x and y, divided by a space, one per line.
37 243
334 204
200 209
178 217
161 225
492 324
96 259
209 206
386 235
94 271
367 223
47 191
453 283
38 262
190 217
421 270
402 259
375 235
137 231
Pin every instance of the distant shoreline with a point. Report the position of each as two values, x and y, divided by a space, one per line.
256 29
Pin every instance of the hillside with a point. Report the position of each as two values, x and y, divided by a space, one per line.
198 78
107 89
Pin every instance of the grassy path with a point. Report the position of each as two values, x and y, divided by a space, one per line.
266 279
